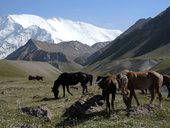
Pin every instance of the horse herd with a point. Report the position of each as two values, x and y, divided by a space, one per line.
127 82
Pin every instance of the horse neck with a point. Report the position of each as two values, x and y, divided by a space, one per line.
56 84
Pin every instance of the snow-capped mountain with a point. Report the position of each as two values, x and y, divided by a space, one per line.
16 30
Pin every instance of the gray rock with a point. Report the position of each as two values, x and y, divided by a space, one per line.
41 112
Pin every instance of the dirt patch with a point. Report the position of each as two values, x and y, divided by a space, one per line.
146 109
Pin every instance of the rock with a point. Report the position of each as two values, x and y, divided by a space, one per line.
85 105
146 109
41 112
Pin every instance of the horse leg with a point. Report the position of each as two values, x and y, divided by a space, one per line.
160 96
107 104
113 99
69 90
86 88
83 89
134 94
152 90
63 90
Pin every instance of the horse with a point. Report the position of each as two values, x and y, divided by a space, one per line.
30 77
166 81
39 78
67 79
142 80
109 85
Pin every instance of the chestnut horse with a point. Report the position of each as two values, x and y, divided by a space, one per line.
142 80
68 79
109 85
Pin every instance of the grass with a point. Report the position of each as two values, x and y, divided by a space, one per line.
19 92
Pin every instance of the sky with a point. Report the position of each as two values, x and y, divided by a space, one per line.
110 14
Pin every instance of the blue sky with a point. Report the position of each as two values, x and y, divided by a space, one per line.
112 14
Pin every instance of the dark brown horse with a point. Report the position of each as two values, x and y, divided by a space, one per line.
166 81
68 79
109 85
39 78
142 80
30 77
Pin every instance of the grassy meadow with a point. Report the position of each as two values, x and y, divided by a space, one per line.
16 91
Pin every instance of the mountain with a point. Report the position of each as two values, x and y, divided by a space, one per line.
147 38
16 30
65 52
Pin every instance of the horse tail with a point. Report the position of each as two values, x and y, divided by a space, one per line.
91 79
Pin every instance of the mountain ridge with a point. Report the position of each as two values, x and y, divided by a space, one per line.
16 30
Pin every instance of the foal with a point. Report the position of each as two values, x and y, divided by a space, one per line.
109 85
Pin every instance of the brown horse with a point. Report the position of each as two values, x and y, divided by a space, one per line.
142 80
166 81
109 85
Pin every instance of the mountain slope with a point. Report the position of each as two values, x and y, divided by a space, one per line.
42 51
153 34
16 30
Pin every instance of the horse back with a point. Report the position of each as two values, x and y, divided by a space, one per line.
108 83
70 78
143 80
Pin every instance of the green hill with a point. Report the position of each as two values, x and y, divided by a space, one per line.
21 69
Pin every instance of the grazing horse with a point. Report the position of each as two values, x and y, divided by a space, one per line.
166 81
109 85
142 80
67 79
31 77
39 78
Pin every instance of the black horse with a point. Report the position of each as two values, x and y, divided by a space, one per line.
67 79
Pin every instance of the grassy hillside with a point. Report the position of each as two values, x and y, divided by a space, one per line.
21 69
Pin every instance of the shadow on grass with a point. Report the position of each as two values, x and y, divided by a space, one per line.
84 110
48 99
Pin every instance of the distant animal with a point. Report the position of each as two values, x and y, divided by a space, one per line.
166 81
141 81
30 77
109 85
39 78
68 79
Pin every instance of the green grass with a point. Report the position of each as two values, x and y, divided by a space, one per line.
19 92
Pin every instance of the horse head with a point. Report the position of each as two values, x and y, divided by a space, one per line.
122 83
55 89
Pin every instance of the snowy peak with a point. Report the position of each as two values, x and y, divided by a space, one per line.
16 30
83 32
